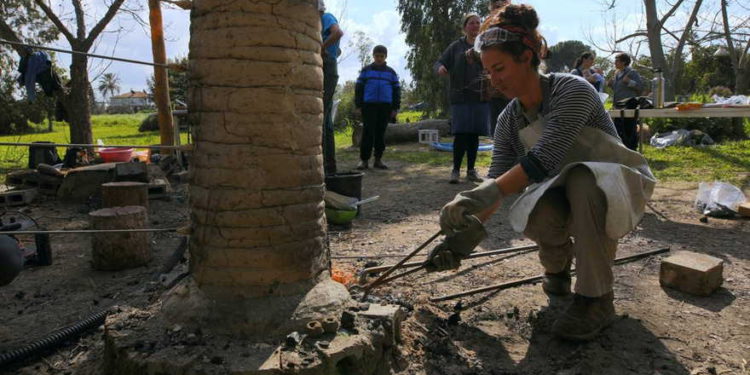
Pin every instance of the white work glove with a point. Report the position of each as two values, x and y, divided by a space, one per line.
455 216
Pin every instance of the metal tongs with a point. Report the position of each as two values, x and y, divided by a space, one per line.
383 279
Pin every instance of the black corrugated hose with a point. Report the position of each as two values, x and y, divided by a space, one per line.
54 340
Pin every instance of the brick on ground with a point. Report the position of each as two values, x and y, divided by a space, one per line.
744 209
692 273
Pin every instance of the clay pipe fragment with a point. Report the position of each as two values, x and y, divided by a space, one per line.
385 274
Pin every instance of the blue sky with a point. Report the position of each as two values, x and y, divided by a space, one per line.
560 20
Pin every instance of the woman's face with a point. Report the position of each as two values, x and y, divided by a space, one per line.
619 64
472 27
587 63
511 77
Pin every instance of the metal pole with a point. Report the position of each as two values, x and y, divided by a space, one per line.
84 231
534 279
161 82
184 148
472 256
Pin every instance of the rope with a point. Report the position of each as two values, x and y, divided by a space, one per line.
176 67
80 231
187 147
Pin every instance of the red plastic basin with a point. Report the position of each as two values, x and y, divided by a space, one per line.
115 154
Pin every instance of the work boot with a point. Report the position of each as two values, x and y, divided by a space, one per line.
472 176
379 164
585 317
455 175
362 165
557 284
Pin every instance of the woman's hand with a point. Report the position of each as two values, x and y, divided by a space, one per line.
442 70
456 215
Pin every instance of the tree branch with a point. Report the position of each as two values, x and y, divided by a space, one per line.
633 35
55 20
102 24
688 28
6 32
676 6
80 20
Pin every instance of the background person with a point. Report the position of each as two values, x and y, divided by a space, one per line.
378 96
555 143
583 68
470 112
497 100
626 83
330 51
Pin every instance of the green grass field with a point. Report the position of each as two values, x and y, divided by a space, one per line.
111 129
729 161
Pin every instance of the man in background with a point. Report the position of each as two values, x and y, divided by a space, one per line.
330 51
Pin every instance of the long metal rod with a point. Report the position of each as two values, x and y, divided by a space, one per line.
397 265
82 231
83 53
534 279
472 256
402 274
87 145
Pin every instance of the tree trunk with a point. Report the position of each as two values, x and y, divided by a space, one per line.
655 46
257 244
125 193
78 101
119 251
741 81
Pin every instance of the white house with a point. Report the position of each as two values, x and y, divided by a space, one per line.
130 102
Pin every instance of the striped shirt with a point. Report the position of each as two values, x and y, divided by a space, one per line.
569 103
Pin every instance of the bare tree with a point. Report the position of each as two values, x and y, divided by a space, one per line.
77 98
666 35
736 35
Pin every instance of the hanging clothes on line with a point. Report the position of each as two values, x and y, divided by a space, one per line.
37 68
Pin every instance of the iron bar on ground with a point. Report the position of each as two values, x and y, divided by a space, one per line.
397 265
533 279
472 256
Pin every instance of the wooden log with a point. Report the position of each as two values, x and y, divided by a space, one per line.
125 193
405 133
117 251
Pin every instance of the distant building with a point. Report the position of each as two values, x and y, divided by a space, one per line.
130 102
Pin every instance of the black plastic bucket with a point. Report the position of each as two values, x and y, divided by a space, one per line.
347 183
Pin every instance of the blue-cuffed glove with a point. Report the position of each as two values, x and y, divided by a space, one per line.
456 215
456 246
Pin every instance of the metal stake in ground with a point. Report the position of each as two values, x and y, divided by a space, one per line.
534 279
385 274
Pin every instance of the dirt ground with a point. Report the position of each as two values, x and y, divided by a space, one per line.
661 331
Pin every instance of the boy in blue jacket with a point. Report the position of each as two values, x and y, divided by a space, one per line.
378 96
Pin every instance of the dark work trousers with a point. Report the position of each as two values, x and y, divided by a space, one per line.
497 105
468 144
375 118
330 79
626 129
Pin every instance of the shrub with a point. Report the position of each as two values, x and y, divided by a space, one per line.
150 123
722 91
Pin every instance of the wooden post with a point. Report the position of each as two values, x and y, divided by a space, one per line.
117 251
161 82
125 193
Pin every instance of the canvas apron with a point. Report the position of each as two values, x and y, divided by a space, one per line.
622 174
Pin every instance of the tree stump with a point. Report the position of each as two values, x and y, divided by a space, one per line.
117 251
125 193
